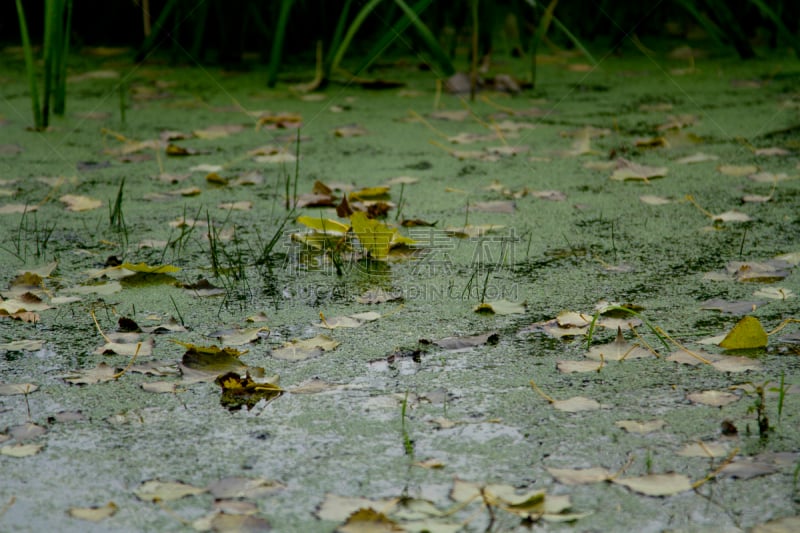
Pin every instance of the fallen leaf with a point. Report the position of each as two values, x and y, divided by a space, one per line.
654 200
368 520
94 514
617 350
10 389
160 387
21 450
713 398
774 293
580 476
737 170
154 490
238 337
376 296
305 349
635 426
746 468
696 158
656 484
733 308
576 404
574 367
628 170
788 524
26 431
462 343
732 216
337 508
500 307
704 449
102 372
747 334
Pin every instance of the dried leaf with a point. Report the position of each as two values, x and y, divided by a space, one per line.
21 450
713 398
576 404
102 372
617 350
737 170
462 343
305 349
574 367
635 426
628 170
94 514
80 203
704 449
581 476
501 307
657 484
154 490
10 389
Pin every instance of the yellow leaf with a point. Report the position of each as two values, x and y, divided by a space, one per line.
325 225
747 333
369 193
373 235
147 269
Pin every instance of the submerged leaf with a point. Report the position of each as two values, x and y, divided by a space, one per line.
94 514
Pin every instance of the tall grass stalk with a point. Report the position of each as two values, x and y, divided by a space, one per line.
57 24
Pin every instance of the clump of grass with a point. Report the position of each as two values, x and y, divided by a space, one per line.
57 24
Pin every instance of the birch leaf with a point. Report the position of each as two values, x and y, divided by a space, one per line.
748 333
155 490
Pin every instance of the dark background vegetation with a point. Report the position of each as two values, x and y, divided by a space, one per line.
219 31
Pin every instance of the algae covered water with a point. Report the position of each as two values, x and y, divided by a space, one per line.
522 324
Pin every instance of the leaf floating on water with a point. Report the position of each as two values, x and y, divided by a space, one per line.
737 170
243 391
733 308
377 296
368 520
635 426
102 372
243 487
774 293
500 307
628 170
462 343
337 508
470 231
732 216
574 367
154 490
352 321
789 524
576 404
305 349
656 484
704 449
21 450
10 389
373 235
699 157
580 476
617 350
747 468
94 514
80 203
748 333
713 398
238 337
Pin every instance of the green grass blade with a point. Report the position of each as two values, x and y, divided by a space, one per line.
29 66
336 40
388 37
544 24
277 42
430 41
707 24
563 29
155 33
60 105
769 13
50 37
361 16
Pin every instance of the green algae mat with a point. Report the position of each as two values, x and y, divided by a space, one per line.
230 308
